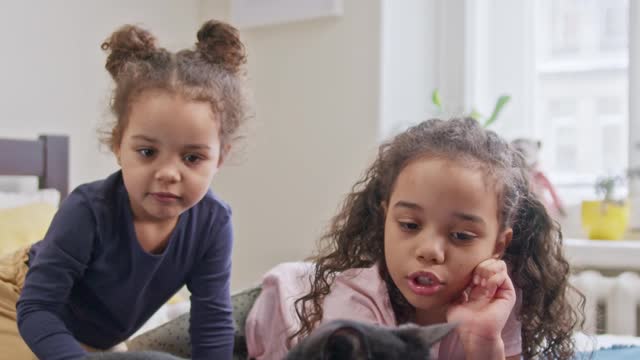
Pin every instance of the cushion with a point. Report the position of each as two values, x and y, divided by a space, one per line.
173 337
24 225
15 199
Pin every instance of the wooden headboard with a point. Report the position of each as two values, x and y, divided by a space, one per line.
47 158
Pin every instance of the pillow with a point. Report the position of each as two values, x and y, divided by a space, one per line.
173 337
15 199
23 225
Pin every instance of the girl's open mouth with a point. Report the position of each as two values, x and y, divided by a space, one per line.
424 283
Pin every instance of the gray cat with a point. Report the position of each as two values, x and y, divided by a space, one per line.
143 355
340 340
350 340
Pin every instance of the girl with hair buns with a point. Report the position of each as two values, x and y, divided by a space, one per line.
120 247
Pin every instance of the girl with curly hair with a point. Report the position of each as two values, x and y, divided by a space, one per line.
443 227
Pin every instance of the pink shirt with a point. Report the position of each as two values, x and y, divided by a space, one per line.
356 294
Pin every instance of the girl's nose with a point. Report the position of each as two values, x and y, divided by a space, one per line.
168 173
431 249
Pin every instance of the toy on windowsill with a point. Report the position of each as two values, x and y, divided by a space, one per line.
542 186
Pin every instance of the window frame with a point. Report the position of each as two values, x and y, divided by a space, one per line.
478 15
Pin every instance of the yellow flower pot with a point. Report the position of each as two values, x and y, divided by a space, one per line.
605 220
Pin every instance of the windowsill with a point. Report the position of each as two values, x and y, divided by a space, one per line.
573 188
604 254
620 63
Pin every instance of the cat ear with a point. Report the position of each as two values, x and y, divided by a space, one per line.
428 335
346 342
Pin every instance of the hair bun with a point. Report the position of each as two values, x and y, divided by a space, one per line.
219 43
128 43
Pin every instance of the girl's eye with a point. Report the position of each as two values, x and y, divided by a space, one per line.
191 158
146 152
461 236
408 226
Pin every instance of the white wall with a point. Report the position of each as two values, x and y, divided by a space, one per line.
325 92
634 113
498 64
52 68
409 62
316 86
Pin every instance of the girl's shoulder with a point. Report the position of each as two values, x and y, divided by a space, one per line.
100 195
366 292
213 204
208 226
300 274
356 294
304 269
359 293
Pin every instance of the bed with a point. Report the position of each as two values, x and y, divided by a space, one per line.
25 214
47 158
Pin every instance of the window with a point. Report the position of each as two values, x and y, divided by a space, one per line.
614 24
582 87
565 64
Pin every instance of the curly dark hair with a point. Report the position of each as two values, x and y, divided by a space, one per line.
211 72
538 267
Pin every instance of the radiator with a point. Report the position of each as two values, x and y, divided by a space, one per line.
611 304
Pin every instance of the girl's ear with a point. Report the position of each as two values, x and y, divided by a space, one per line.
116 141
224 151
502 243
116 152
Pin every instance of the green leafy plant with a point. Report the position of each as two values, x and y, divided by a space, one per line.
474 113
606 185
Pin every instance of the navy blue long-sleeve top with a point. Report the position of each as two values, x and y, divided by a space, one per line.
90 281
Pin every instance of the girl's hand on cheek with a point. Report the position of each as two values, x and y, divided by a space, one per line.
483 310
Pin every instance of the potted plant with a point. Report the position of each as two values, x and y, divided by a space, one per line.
485 120
607 218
